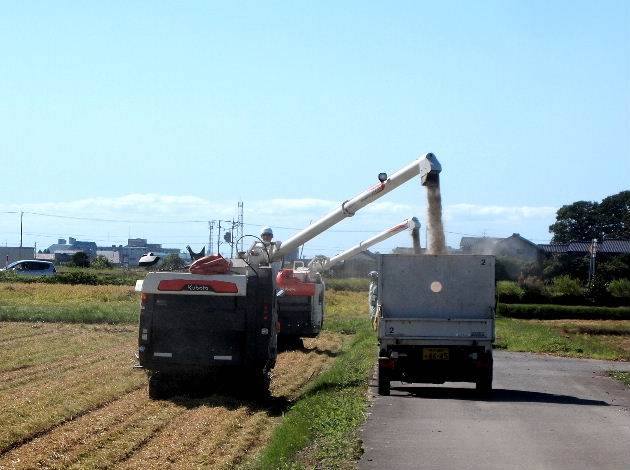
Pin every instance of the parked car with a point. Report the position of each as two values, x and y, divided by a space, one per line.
29 267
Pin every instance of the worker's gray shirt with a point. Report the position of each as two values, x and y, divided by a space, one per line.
372 298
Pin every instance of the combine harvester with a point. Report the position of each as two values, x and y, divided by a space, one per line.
222 317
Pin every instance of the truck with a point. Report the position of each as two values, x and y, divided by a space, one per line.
435 319
222 318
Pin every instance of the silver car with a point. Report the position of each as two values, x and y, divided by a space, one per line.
30 267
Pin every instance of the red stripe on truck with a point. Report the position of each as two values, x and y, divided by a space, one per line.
220 287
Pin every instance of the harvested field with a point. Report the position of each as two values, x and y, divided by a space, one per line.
69 398
597 339
615 334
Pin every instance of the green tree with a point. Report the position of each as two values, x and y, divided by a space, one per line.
585 220
172 262
576 222
614 212
101 263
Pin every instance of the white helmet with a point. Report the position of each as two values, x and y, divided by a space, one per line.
266 231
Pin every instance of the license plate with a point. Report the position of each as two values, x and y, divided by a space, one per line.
435 354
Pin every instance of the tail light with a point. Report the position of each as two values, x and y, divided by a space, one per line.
386 363
265 311
144 299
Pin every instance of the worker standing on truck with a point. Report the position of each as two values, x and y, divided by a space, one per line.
373 293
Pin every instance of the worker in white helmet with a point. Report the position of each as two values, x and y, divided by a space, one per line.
266 234
268 245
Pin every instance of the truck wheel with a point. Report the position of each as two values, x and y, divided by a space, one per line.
159 387
484 383
383 382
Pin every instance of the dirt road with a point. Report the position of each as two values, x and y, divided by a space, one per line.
69 398
546 413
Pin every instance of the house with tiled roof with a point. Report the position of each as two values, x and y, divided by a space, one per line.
620 247
515 246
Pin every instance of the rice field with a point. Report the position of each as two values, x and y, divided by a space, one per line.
38 302
70 398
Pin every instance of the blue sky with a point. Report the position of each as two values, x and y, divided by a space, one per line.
172 112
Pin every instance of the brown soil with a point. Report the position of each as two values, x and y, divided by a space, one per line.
87 408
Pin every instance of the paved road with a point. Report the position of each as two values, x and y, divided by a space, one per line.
546 413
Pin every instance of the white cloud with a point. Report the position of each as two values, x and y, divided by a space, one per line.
168 208
187 207
145 215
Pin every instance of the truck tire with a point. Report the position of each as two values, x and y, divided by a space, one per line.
483 384
383 382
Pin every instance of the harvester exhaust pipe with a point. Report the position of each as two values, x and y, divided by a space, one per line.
427 167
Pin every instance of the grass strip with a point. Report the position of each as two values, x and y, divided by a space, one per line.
623 377
320 429
328 414
529 336
555 312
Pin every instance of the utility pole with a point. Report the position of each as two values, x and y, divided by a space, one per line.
591 266
21 227
210 237
219 239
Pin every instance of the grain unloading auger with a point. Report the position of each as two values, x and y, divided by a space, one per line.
300 295
427 167
221 317
412 224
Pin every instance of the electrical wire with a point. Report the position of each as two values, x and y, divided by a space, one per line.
190 221
179 221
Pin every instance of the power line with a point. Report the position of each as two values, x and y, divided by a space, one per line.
180 221
195 221
126 221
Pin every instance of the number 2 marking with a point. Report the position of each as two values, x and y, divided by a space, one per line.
391 330
483 261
